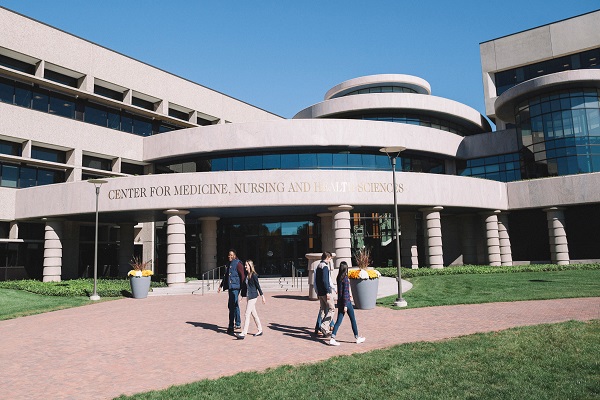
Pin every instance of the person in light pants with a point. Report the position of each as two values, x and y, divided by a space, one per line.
253 289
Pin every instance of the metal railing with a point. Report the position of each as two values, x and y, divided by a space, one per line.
297 276
211 278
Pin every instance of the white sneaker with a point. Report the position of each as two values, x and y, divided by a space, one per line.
360 339
333 342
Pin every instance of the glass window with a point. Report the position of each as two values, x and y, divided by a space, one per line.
23 95
7 91
142 126
142 103
97 163
10 148
272 161
178 114
60 78
253 162
127 123
95 115
109 93
308 160
28 177
113 119
593 120
219 164
62 105
41 153
238 163
40 100
10 175
325 160
132 169
48 177
340 160
290 161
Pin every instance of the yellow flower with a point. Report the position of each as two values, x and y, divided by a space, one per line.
363 274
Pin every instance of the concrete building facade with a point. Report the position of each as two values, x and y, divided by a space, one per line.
192 172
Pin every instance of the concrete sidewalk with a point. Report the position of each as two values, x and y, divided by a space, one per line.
134 345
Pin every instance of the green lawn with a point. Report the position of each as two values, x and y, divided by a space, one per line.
439 290
19 303
558 361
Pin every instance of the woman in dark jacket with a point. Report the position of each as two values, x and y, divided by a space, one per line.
344 305
252 289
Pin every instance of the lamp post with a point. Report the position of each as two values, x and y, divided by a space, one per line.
393 153
97 183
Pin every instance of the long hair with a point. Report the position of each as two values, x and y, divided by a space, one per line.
343 272
252 270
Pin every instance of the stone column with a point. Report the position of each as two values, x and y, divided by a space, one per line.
469 239
126 245
13 232
52 251
505 248
208 259
559 247
327 240
408 241
433 231
176 247
342 237
492 238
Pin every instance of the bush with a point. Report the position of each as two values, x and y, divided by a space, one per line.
117 287
482 269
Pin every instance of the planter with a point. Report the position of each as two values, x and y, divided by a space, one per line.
364 292
140 286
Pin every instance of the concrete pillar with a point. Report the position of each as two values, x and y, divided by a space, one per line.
433 233
559 247
126 245
408 240
13 232
147 238
327 240
505 248
52 251
469 238
492 238
176 247
342 236
70 254
208 259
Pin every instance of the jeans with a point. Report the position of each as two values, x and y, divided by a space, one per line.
234 308
340 318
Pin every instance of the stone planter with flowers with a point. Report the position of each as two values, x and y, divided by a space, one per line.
364 280
139 278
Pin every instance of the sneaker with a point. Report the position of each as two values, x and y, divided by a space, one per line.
258 333
333 342
240 336
229 330
360 339
238 328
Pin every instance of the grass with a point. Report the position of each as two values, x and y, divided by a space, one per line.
558 361
440 290
19 303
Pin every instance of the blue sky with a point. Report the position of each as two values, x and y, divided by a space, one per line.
283 56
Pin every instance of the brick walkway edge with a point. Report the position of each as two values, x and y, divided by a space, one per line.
134 345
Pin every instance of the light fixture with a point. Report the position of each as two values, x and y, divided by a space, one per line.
393 153
97 183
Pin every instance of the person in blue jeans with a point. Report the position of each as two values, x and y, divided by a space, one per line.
344 305
232 282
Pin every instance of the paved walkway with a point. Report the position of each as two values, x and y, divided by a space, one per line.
133 345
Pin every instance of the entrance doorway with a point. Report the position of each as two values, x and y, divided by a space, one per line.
276 246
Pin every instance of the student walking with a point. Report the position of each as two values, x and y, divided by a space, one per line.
344 305
232 282
253 289
322 284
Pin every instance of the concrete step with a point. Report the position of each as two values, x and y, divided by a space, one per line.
276 284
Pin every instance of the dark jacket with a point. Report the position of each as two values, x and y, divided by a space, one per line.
234 276
322 284
252 287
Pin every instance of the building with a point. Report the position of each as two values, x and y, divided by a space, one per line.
191 172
